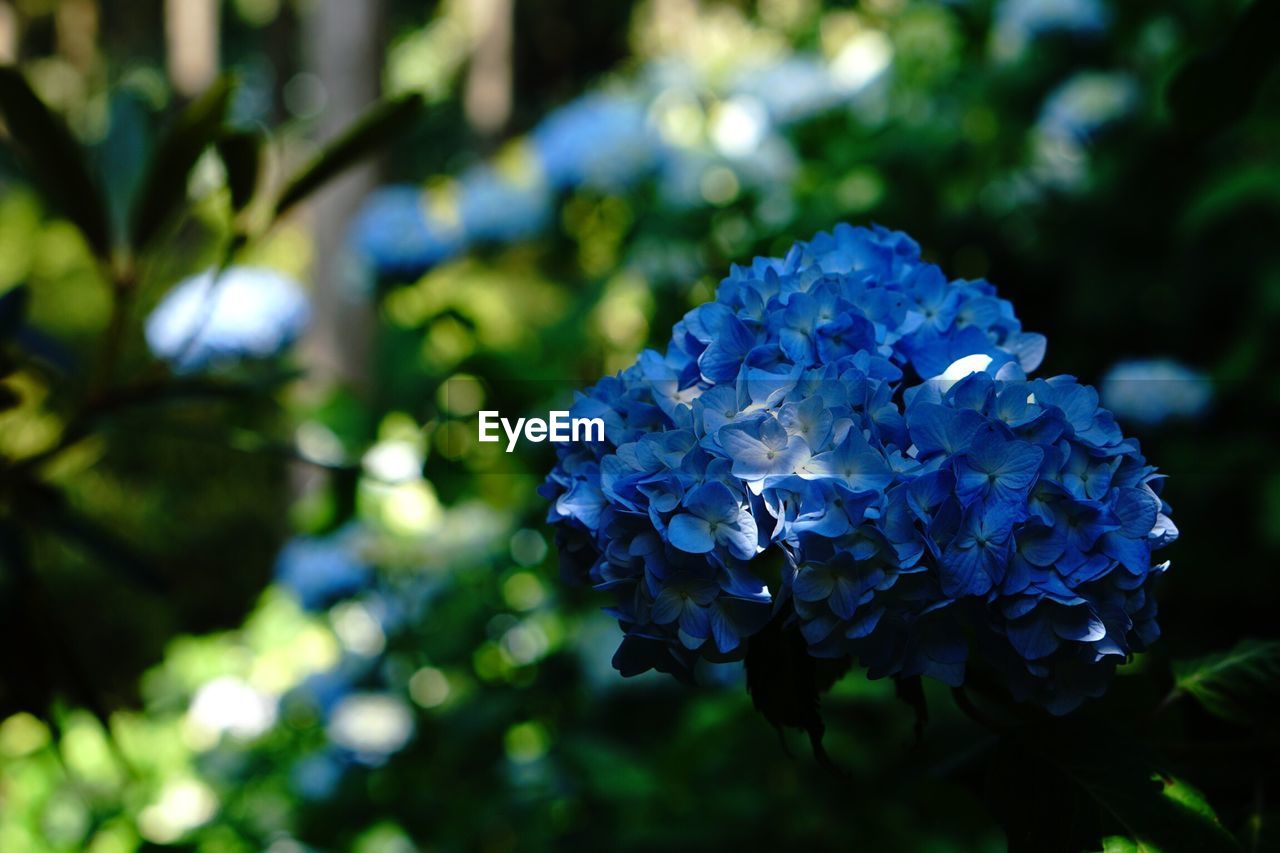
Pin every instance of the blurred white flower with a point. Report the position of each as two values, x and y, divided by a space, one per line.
394 461
739 125
371 725
182 806
232 706
862 61
246 312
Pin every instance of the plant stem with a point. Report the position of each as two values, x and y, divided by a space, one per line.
123 284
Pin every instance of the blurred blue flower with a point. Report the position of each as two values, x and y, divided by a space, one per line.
323 570
680 176
398 234
1077 109
1018 22
317 775
210 319
793 89
849 413
499 208
601 141
1152 391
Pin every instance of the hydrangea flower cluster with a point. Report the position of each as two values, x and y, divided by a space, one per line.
211 319
320 570
397 233
495 207
601 141
848 441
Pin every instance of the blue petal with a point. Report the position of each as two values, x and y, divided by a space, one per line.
813 584
962 572
690 533
1033 637
667 607
1136 510
722 360
723 630
938 429
1079 624
695 622
742 538
713 502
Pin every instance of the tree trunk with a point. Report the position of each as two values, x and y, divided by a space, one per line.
344 50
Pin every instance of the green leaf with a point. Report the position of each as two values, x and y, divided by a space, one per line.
241 153
54 159
372 131
49 509
1242 685
1215 88
195 129
1073 784
1155 809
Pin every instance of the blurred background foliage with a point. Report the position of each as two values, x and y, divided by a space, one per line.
289 603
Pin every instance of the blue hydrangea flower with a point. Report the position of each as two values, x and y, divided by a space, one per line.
209 319
323 570
849 441
498 208
600 141
397 233
1152 391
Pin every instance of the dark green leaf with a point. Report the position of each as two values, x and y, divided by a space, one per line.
372 131
183 391
1217 87
786 682
46 350
9 398
50 510
195 129
241 153
1132 793
13 310
1039 807
54 158
1242 685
